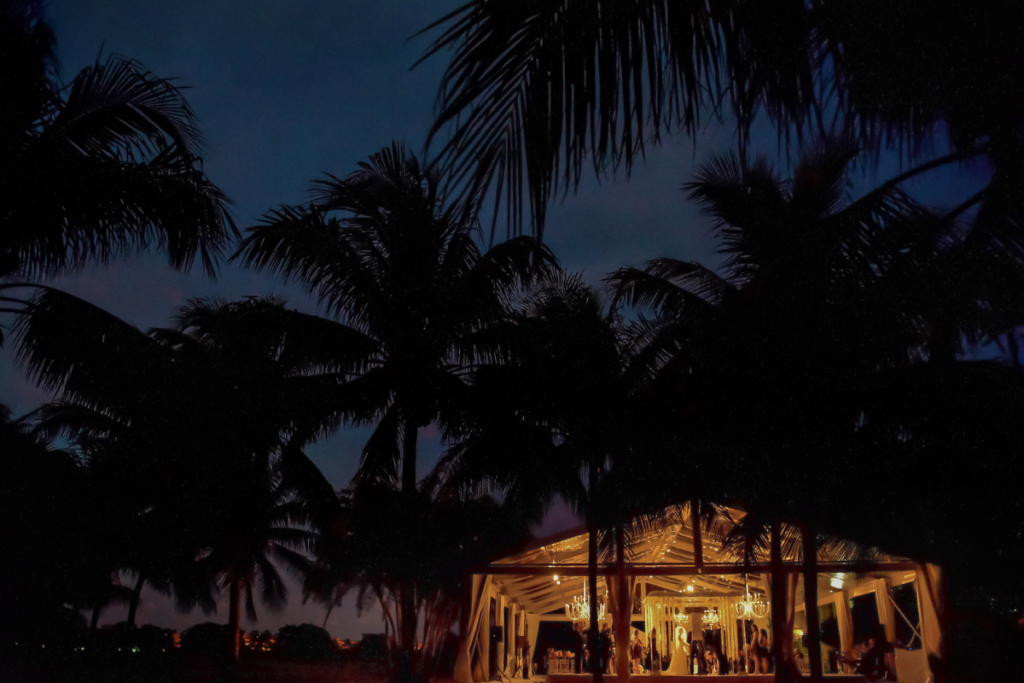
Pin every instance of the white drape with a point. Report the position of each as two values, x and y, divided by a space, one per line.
932 593
470 639
845 621
883 598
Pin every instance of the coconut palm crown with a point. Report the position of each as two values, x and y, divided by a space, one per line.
93 168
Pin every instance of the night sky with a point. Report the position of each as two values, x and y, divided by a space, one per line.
287 91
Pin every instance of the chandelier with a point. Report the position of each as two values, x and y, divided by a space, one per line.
749 607
710 617
680 616
579 611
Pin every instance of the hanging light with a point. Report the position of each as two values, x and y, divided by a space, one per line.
579 610
749 607
681 616
710 617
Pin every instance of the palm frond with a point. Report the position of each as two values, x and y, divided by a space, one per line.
69 346
534 88
71 209
381 459
117 104
301 243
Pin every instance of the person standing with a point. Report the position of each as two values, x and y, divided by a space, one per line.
604 646
680 655
577 647
654 657
636 652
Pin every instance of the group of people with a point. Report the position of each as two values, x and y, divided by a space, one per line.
755 658
646 657
605 648
875 661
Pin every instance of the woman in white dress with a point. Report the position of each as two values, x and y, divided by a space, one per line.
681 654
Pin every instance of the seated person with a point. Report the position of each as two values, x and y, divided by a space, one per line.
711 659
874 661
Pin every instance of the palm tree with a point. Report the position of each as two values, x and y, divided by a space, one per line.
443 537
828 305
566 414
95 167
48 560
186 428
535 88
411 299
261 527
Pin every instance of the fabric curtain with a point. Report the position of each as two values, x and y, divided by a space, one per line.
845 620
883 598
532 629
932 594
470 639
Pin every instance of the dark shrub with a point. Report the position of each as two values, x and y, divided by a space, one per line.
305 641
207 638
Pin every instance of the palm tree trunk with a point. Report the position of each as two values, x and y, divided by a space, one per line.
94 623
778 590
234 615
811 602
407 636
698 542
133 604
623 607
595 665
409 456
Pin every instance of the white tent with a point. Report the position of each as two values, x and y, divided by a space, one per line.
672 572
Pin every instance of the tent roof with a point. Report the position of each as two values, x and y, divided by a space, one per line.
661 541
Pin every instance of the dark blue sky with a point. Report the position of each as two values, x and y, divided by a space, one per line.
286 91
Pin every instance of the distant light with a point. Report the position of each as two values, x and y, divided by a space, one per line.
556 577
689 589
836 583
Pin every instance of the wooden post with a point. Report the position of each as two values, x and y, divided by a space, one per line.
623 608
811 602
698 543
595 627
234 618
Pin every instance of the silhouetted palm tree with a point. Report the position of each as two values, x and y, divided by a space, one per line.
95 167
378 546
183 426
48 561
412 298
828 305
565 414
535 88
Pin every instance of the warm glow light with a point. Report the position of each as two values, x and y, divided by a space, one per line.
749 607
689 589
836 583
579 610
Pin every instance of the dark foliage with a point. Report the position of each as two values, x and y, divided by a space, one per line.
93 168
